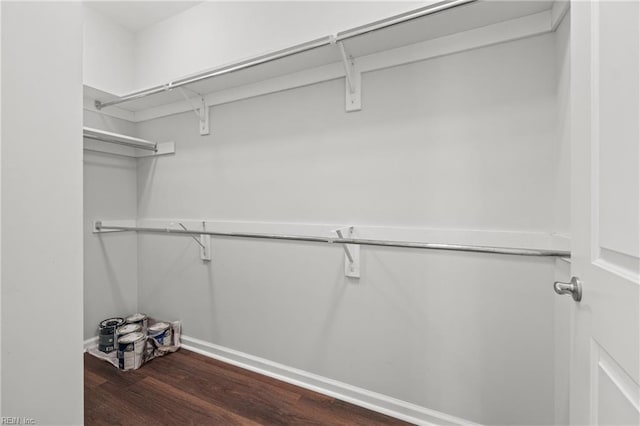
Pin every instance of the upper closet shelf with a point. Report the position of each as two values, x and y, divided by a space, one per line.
131 147
349 52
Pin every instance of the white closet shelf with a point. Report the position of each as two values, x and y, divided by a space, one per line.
140 147
428 23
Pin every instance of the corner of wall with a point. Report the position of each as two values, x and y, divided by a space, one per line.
107 46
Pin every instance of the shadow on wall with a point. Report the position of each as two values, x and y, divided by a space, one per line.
320 353
146 172
112 277
213 328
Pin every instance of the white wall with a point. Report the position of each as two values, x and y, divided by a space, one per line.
562 191
110 263
215 33
1 101
108 54
42 212
467 141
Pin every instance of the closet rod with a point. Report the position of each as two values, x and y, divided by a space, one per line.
360 241
280 54
115 138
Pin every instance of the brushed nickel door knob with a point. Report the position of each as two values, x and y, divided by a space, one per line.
574 288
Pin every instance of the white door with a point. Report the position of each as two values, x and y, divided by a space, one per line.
605 91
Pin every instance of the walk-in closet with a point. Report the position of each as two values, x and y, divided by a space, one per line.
308 212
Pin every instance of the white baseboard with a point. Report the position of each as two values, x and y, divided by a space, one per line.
90 343
364 398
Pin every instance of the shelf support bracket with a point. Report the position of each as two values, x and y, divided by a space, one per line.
353 80
351 253
204 242
204 117
201 112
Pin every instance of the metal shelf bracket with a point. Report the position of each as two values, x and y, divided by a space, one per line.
351 253
204 117
202 112
353 80
204 242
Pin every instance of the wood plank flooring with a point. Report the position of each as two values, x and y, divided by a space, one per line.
185 388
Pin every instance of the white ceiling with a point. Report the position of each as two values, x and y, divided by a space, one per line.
138 15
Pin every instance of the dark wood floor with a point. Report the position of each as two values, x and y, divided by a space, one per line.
187 388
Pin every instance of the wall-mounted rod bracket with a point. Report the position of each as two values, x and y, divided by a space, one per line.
353 80
192 236
351 253
201 111
98 225
204 242
204 117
